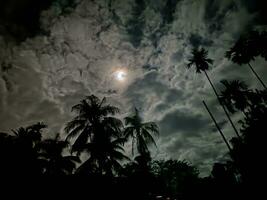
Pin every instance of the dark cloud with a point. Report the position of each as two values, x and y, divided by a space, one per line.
142 89
215 13
197 40
168 11
21 19
187 123
258 7
177 56
149 67
135 24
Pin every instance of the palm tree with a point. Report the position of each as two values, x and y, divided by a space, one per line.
54 162
98 133
30 135
243 52
234 96
105 157
25 150
140 132
91 111
218 127
201 61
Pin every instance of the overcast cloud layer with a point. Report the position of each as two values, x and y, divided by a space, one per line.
42 77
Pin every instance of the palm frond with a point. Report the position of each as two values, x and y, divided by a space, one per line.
109 110
151 126
74 132
148 138
73 124
129 120
129 132
80 142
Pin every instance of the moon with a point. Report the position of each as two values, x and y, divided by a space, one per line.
120 75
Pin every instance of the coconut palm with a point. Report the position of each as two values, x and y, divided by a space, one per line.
140 132
25 150
105 157
30 135
218 127
200 60
99 134
244 51
54 162
234 96
91 112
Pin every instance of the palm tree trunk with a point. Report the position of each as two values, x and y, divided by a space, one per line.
218 127
224 138
255 73
225 111
133 144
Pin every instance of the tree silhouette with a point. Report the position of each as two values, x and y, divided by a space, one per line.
99 134
21 151
54 162
244 51
91 112
257 43
105 157
217 126
248 153
200 60
234 95
177 179
140 132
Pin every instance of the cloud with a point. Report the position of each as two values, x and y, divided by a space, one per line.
257 7
197 40
21 19
185 122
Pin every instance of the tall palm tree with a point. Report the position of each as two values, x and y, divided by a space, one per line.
98 133
141 132
201 61
218 127
91 111
54 162
243 52
234 96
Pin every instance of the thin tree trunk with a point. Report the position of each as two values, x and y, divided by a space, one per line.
218 127
255 73
225 111
224 138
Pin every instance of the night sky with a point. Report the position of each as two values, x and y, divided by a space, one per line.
134 52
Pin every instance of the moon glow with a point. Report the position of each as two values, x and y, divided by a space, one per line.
120 75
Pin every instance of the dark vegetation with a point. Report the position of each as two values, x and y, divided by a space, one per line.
91 158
